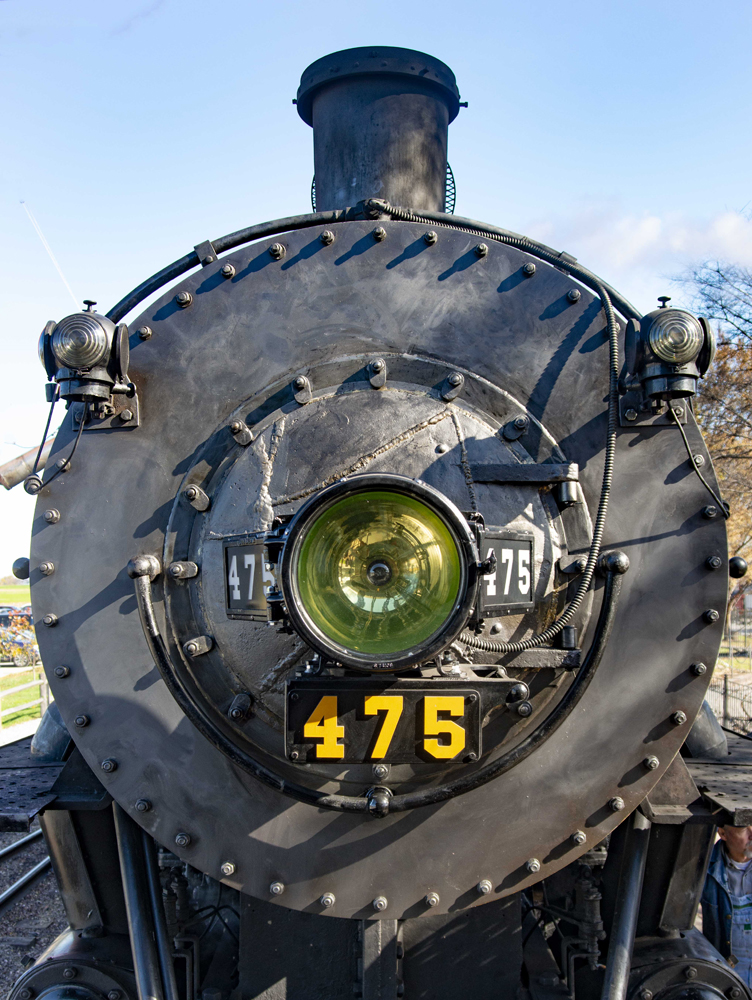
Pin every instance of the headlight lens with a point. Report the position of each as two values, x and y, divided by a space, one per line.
79 341
675 336
379 572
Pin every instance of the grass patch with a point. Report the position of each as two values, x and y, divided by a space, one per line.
20 697
15 594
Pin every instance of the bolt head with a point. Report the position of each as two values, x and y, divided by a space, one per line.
646 994
327 238
183 299
144 332
573 295
709 512
380 771
109 765
277 251
430 238
70 973
114 995
698 669
579 838
380 904
377 365
712 562
227 271
379 234
62 671
300 382
520 423
25 994
228 868
533 865
678 718
529 269
191 648
294 755
51 516
183 839
699 461
616 804
82 721
46 568
126 416
651 762
432 899
328 899
690 972
455 379
711 615
50 621
630 414
143 805
481 250
484 887
524 709
236 427
277 888
734 993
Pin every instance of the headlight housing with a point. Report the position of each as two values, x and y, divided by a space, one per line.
675 336
379 572
80 342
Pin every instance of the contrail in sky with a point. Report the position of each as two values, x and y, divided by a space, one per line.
46 246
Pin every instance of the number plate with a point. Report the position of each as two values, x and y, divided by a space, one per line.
511 586
247 581
409 722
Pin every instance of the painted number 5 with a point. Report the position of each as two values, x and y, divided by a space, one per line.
434 726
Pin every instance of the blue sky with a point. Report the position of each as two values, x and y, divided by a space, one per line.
135 129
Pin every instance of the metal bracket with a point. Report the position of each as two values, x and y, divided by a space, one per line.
377 373
452 386
632 414
525 472
301 389
206 252
118 413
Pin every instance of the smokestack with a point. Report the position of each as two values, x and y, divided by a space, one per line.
380 119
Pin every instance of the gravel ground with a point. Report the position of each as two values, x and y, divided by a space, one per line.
35 920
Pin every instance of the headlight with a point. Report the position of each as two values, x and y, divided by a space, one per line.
675 336
79 341
379 572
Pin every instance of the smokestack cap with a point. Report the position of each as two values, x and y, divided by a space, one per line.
375 61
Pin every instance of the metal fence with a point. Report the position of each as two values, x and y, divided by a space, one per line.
732 704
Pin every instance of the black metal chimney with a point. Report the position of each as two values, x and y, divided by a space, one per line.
380 119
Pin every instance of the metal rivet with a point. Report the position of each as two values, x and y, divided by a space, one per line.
327 238
183 839
294 755
70 973
25 994
109 765
711 615
145 332
533 865
471 756
712 562
442 449
300 382
573 295
709 512
630 414
46 568
183 299
496 628
126 416
484 887
50 621
430 238
82 721
521 423
529 269
699 461
380 904
51 516
455 378
579 838
62 463
678 718
698 669
114 995
432 899
379 234
277 251
734 993
651 762
524 709
277 888
380 771
377 365
143 805
616 804
646 994
690 972
228 868
328 899
62 671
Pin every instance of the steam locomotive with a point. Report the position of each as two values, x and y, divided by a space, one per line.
379 571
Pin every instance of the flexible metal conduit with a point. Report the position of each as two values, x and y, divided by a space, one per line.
626 910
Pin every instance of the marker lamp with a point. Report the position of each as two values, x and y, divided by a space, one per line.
675 336
379 572
80 342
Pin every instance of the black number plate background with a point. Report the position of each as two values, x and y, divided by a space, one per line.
362 731
512 585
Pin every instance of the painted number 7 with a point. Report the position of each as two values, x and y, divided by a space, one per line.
392 705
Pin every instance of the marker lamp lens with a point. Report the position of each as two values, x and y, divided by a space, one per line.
675 336
79 341
378 573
